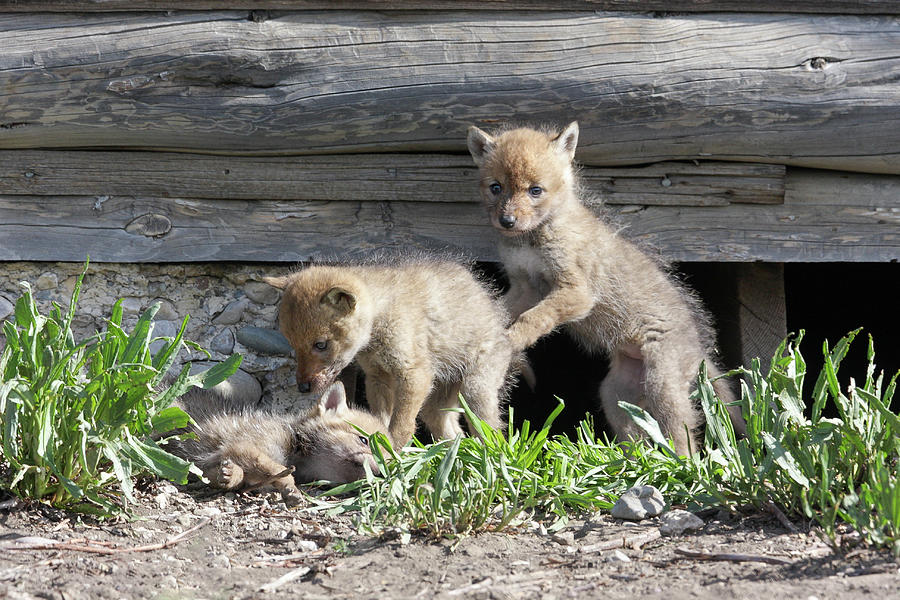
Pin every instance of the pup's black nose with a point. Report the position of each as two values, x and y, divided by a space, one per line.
304 387
507 221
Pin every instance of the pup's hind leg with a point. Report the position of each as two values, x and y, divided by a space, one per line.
655 384
442 423
482 388
244 465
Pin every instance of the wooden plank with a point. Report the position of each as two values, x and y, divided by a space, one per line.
857 220
761 312
787 89
775 6
369 177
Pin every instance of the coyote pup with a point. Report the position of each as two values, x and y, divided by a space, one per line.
422 332
241 447
565 266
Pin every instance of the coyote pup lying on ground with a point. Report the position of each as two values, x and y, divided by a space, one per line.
565 266
422 332
242 447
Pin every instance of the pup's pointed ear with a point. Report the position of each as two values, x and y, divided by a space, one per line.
566 141
334 400
340 299
278 282
480 145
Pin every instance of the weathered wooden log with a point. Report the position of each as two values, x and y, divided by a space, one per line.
826 217
786 89
775 6
365 177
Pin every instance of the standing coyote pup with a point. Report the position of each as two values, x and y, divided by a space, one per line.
422 331
241 447
565 266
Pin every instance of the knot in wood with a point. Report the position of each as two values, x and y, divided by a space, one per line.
818 63
150 225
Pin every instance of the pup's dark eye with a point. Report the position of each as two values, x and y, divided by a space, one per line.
321 345
363 440
495 188
535 191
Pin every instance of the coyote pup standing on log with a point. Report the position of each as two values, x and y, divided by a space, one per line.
239 447
422 331
565 266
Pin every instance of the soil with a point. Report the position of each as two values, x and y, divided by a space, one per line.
253 546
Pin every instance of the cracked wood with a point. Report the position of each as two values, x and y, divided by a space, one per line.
817 91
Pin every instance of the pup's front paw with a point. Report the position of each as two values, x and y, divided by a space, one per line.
227 475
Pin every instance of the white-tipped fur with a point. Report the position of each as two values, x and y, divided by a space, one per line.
423 331
242 447
568 268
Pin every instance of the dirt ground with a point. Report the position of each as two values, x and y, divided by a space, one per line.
186 544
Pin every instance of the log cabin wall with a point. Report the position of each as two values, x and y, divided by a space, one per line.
743 134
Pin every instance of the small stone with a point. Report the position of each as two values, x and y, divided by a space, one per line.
168 582
676 522
223 343
566 538
46 281
184 520
162 501
6 307
306 545
267 341
617 556
232 313
639 503
208 511
260 292
241 389
220 561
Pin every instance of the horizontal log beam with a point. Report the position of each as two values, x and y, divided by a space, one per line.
826 217
775 6
787 89
369 177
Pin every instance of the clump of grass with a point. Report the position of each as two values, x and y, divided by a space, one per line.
76 417
491 481
829 470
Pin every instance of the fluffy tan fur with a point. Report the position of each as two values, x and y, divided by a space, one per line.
423 331
240 447
568 268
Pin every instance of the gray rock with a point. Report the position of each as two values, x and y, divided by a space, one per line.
267 341
131 305
241 389
223 343
166 310
676 522
162 329
638 503
46 281
231 314
261 292
6 307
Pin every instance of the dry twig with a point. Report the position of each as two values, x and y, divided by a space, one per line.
782 518
286 578
633 542
97 547
772 560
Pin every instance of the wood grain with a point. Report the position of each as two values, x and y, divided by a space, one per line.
368 177
776 6
826 217
815 91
